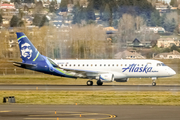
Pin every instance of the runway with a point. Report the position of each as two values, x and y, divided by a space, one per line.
88 112
92 88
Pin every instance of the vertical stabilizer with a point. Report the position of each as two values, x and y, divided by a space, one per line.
29 53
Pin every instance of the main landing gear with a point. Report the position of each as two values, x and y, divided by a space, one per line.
89 83
154 81
99 83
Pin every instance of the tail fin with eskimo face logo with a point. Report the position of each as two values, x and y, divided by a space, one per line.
29 53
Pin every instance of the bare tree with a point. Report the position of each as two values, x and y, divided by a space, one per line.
4 43
76 42
88 42
38 8
127 26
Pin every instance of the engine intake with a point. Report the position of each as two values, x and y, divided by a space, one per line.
106 77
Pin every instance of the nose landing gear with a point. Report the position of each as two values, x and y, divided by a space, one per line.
153 83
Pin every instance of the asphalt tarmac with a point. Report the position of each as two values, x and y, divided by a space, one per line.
88 112
92 88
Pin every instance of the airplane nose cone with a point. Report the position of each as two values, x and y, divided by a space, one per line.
172 72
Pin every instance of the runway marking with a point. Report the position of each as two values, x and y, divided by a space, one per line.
70 115
4 111
110 117
58 118
44 118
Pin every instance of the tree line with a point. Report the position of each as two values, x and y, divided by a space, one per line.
108 11
111 11
88 42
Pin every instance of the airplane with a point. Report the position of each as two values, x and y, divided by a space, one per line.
100 70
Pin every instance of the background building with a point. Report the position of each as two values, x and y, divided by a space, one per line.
164 42
170 55
129 55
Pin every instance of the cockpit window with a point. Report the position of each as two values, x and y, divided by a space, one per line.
163 64
158 64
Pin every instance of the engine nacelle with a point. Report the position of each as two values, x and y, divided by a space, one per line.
122 80
106 77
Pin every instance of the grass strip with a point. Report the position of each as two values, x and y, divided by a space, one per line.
94 97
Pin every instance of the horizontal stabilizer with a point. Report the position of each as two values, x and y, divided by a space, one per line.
23 65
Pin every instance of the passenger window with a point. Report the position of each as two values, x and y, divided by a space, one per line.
109 65
104 64
87 65
74 65
112 64
70 65
95 65
142 64
83 64
100 65
61 65
125 64
117 64
78 64
91 64
121 65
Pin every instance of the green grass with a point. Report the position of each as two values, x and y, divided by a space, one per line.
89 97
94 97
49 79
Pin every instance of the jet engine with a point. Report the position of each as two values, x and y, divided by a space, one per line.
106 77
122 80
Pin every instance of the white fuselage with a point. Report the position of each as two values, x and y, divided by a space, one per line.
120 68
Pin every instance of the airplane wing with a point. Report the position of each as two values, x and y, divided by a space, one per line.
83 73
78 70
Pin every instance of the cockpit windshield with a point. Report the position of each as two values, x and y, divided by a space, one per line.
52 63
158 64
161 64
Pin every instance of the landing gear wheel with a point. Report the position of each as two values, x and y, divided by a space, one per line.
99 82
89 83
154 84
